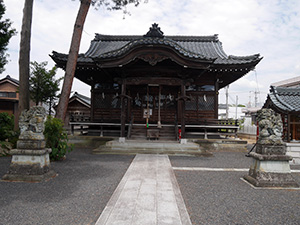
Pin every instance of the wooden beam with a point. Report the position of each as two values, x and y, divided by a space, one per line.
153 80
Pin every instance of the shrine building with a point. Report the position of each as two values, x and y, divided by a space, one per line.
156 80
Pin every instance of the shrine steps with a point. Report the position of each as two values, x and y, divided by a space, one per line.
166 132
151 147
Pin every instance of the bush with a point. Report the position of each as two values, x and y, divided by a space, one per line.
7 128
56 138
4 148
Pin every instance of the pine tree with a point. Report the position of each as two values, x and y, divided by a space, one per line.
6 32
43 84
75 44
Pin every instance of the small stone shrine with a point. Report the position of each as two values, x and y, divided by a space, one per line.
270 166
30 161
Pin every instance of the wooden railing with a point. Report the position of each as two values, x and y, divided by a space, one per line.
213 127
202 127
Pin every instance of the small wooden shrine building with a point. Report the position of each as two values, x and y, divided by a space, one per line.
79 108
9 97
285 100
156 79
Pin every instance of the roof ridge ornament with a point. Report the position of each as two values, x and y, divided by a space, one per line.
154 32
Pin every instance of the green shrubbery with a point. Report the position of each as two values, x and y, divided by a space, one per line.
7 132
56 138
6 126
55 135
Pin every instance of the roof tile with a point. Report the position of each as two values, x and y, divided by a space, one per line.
285 98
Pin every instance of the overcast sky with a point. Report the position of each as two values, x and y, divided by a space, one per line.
245 27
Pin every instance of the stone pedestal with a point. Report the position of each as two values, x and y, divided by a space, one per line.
293 149
268 149
29 165
269 169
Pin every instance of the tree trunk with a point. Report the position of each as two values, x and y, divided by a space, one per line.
24 56
72 60
50 105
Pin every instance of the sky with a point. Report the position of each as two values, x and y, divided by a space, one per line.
245 27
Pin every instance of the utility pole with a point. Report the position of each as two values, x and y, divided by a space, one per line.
249 104
256 98
256 93
227 87
236 106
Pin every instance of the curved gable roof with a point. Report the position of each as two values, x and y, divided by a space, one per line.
284 98
196 48
106 46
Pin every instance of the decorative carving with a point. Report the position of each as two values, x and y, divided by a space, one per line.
271 127
31 123
154 31
153 59
270 166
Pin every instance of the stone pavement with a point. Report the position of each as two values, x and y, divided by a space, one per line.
147 194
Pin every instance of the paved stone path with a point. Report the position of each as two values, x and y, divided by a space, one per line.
147 194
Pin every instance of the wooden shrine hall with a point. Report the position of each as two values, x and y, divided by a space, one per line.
156 80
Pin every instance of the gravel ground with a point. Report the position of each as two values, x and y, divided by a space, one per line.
79 193
86 182
223 198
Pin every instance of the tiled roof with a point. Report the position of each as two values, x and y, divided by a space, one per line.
197 47
16 82
83 98
292 82
285 99
193 47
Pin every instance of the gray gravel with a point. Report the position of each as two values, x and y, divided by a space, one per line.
223 198
86 182
76 196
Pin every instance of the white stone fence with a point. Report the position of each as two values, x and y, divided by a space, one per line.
248 129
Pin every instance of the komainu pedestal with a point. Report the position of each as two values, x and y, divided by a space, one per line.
30 161
270 164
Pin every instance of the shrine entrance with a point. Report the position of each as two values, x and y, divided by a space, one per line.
153 103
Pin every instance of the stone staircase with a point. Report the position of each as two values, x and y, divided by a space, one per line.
151 147
166 133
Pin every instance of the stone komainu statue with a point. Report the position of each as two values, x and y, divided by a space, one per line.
31 123
270 127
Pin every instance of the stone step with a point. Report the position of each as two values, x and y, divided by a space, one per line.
165 133
151 147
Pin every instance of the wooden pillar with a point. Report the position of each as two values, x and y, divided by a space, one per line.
129 103
216 99
294 129
123 109
159 118
182 110
288 128
92 102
